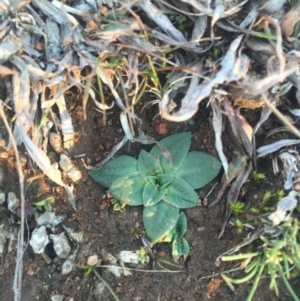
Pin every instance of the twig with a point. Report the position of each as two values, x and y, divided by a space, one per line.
218 274
139 270
291 128
20 251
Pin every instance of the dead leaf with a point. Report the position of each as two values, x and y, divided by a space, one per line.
289 20
213 285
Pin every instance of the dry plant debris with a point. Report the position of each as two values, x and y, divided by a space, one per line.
50 47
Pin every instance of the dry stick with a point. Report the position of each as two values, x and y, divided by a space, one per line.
20 252
280 116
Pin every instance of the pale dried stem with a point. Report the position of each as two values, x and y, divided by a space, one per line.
20 249
281 117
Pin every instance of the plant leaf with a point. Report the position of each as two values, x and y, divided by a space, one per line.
147 165
178 146
180 247
152 195
181 225
170 236
180 194
198 169
114 169
128 189
164 181
159 220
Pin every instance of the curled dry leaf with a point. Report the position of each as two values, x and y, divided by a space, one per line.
161 20
290 19
285 208
228 72
273 147
217 125
235 168
290 162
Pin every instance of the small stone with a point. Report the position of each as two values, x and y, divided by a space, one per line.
57 298
74 174
108 145
118 289
93 260
161 253
3 155
101 147
2 143
97 157
161 128
23 160
30 272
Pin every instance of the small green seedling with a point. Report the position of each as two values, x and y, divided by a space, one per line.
258 176
280 194
237 208
267 196
44 204
118 206
163 181
239 224
254 210
143 257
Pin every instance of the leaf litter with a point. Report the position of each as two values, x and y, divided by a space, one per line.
48 48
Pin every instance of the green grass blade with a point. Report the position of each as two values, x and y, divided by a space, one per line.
273 283
255 283
287 285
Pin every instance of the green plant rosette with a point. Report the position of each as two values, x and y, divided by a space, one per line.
163 181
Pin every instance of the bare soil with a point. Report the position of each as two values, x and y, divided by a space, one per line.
112 231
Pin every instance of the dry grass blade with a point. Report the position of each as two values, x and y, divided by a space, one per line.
105 78
20 249
245 132
293 129
234 169
51 11
275 146
161 20
66 123
233 194
217 125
